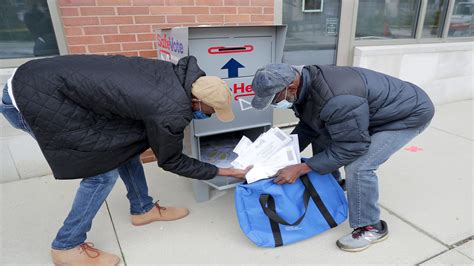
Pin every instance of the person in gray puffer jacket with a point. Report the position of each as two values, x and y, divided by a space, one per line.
353 117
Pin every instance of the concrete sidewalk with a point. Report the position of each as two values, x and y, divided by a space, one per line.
426 195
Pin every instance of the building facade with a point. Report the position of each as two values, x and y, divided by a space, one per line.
427 42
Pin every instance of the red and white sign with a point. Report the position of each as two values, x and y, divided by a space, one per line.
242 90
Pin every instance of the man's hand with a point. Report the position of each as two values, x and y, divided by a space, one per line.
290 173
237 173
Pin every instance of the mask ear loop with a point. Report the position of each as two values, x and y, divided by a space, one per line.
200 108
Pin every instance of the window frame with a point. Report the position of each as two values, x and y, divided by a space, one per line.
421 25
418 38
448 24
347 31
418 18
58 32
311 10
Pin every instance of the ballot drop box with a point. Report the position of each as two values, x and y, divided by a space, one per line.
233 53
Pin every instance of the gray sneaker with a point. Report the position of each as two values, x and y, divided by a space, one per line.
361 238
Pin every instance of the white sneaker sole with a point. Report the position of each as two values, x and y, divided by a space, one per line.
366 247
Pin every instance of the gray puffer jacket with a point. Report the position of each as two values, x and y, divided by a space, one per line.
344 106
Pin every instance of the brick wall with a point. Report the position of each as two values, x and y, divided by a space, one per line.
126 26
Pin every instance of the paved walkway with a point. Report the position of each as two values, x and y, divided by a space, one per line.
426 197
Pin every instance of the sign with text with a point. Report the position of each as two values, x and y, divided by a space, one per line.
331 26
172 44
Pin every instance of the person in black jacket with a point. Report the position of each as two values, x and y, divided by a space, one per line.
94 115
353 117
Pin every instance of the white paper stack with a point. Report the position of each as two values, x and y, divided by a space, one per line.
270 152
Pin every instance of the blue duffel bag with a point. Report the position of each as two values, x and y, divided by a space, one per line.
273 215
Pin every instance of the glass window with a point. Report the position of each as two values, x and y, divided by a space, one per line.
312 36
387 19
26 29
312 5
434 18
461 24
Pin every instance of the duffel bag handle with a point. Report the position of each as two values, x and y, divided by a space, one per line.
268 205
318 201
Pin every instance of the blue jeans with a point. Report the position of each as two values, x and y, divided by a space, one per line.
11 114
361 179
92 190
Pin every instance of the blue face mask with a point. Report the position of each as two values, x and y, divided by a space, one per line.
200 114
284 104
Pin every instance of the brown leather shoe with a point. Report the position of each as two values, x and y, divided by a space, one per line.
159 214
84 254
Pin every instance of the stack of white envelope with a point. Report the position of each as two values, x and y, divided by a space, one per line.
270 152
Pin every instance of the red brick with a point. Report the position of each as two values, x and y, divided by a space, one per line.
148 54
223 10
250 10
136 10
114 2
69 11
168 10
210 18
148 2
148 159
180 19
209 2
101 48
74 40
148 152
268 10
116 20
77 49
73 31
135 29
94 11
179 2
262 2
137 46
124 53
146 37
261 18
80 21
149 19
120 38
172 25
237 18
100 30
76 2
195 10
236 2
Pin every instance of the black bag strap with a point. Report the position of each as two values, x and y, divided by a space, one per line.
318 201
266 201
274 225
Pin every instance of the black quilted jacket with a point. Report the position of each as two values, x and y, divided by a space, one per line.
92 113
344 106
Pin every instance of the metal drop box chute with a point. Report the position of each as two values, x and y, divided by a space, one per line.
232 53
